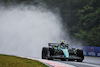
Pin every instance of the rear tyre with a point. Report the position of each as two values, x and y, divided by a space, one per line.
44 52
80 54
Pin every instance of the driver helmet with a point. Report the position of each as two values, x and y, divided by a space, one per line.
62 42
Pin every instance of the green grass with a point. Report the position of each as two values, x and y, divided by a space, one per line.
13 61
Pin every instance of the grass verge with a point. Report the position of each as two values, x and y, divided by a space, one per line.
13 61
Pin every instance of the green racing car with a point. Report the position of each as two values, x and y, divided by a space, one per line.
62 51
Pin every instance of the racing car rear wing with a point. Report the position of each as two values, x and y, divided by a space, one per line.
57 44
53 44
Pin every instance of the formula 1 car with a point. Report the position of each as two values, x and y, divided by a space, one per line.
61 51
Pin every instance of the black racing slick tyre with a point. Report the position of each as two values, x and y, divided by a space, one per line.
63 59
80 54
44 52
50 58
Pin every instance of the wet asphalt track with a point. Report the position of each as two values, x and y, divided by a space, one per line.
88 62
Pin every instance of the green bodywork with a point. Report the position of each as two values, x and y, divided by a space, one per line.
65 51
64 48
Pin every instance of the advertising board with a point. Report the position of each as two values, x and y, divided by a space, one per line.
91 51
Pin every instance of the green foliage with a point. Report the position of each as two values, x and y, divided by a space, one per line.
89 23
90 37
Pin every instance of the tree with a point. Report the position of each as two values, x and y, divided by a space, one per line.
89 24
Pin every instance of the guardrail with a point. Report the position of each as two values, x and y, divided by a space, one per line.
91 51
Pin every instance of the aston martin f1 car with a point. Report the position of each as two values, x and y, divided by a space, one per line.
62 51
